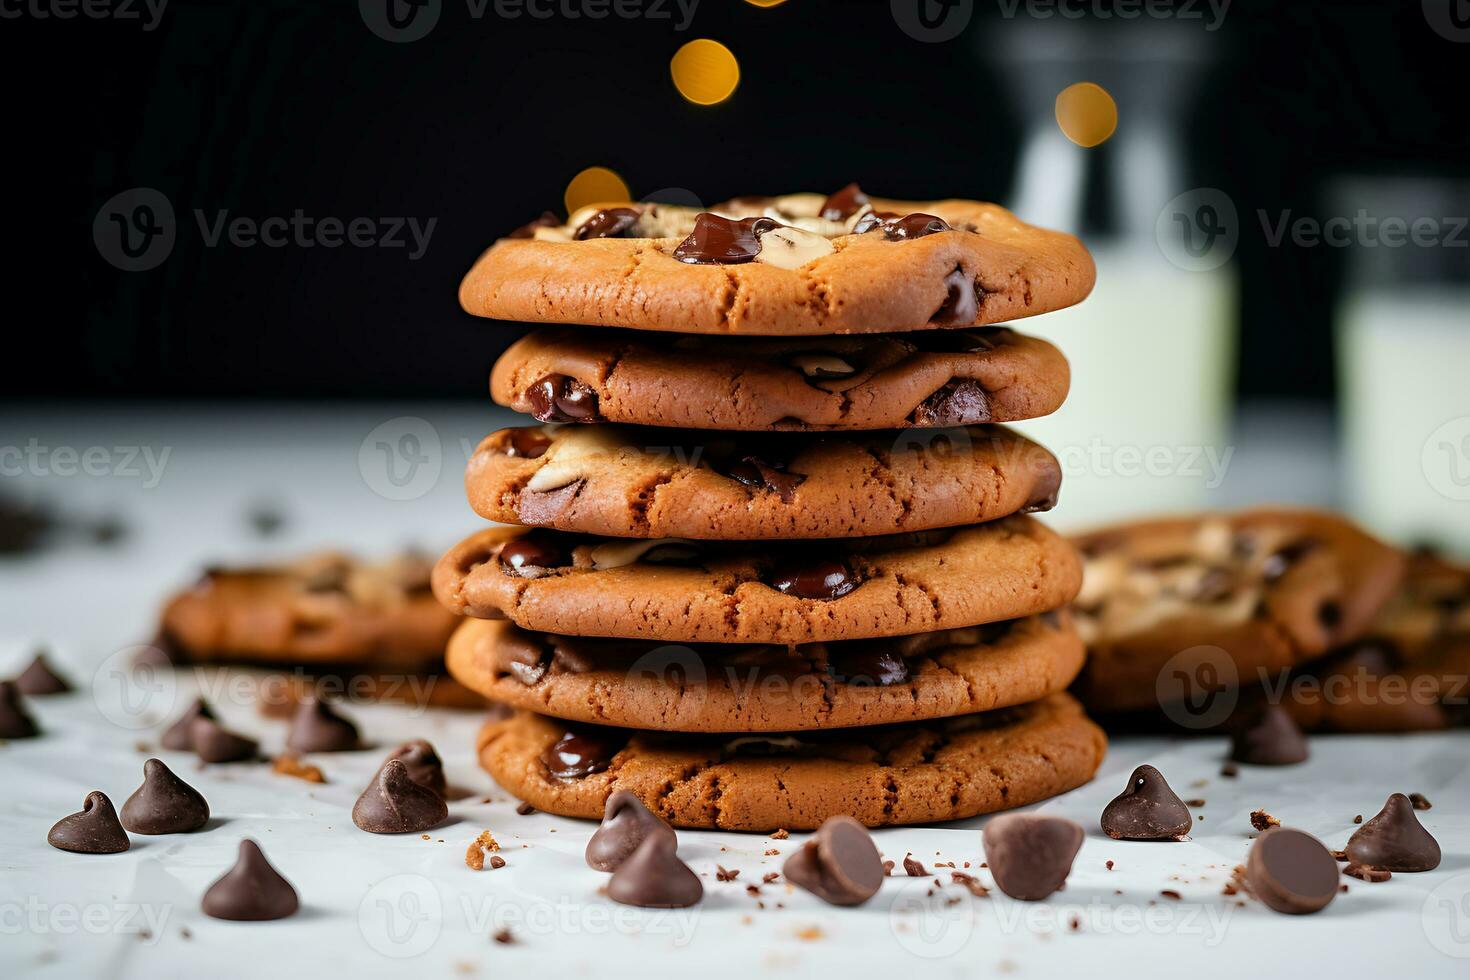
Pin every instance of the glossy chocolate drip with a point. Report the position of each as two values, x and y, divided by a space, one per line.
900 228
580 753
813 579
608 223
559 398
843 204
536 550
753 471
723 241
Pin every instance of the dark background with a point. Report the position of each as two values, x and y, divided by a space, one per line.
266 106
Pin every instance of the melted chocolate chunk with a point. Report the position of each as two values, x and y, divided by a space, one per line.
608 223
1147 809
717 240
626 823
251 891
559 398
394 804
524 657
840 864
1291 871
525 443
1394 840
528 230
899 228
536 550
813 579
164 804
962 402
39 679
1030 855
93 830
868 665
580 753
843 204
872 220
961 305
756 472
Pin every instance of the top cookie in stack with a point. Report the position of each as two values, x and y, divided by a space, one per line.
837 589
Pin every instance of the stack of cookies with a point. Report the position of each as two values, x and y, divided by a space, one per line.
773 561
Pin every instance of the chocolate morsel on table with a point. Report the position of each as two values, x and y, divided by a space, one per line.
251 891
95 829
164 804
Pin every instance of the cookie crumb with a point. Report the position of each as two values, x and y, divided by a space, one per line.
725 874
1366 874
504 937
290 765
496 862
1261 820
809 934
524 809
781 834
887 869
773 852
1194 804
769 877
1339 855
970 882
913 868
1420 801
1110 865
1230 770
1171 894
1359 818
474 855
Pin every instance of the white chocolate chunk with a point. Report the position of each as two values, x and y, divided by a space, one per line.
571 447
822 365
616 554
792 248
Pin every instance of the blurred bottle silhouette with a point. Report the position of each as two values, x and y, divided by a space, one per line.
1153 349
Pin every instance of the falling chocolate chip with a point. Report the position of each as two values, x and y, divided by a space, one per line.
580 753
560 398
1394 840
869 664
839 864
212 742
1268 737
1030 855
1291 871
525 443
533 553
317 727
15 721
723 241
528 230
423 764
1147 809
394 804
39 679
962 303
844 204
251 891
813 579
164 804
608 223
653 877
177 736
93 830
753 471
626 823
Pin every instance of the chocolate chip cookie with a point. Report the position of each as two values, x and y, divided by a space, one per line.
765 688
637 482
870 381
898 774
688 591
1271 588
799 264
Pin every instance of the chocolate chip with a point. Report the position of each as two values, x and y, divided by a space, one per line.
177 736
251 891
753 471
1147 809
962 402
532 553
15 721
394 804
39 679
1420 801
1394 840
1030 855
843 204
525 809
913 868
868 664
522 657
813 579
1329 614
164 804
525 443
915 225
93 830
626 823
1291 871
961 305
580 753
561 398
212 742
608 223
653 877
528 230
1268 737
423 764
317 727
839 864
723 240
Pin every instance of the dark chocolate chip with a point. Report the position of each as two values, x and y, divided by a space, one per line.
1420 801
580 753
840 864
843 204
15 721
526 443
1268 737
40 679
724 241
523 656
251 891
177 735
1291 871
1044 494
394 804
608 223
317 727
562 398
531 553
423 764
1329 614
653 877
868 664
962 402
164 804
1394 840
1147 809
961 305
525 809
212 742
756 472
626 823
1030 855
528 230
813 579
915 225
93 830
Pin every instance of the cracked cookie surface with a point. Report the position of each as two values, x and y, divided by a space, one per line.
873 381
759 592
636 482
762 688
900 774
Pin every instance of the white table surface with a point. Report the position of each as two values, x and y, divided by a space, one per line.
374 905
